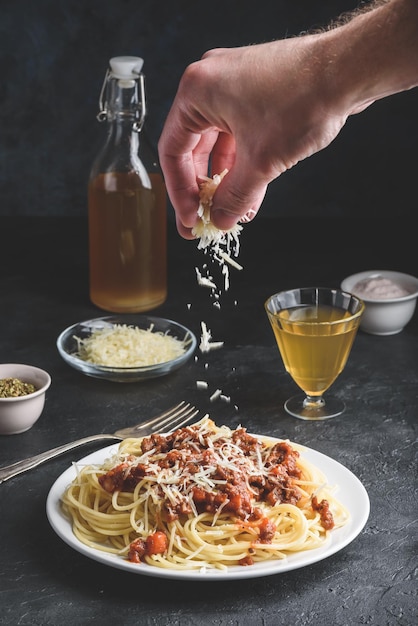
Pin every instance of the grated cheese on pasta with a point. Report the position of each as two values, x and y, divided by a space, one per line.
128 346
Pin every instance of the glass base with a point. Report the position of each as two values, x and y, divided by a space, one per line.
321 409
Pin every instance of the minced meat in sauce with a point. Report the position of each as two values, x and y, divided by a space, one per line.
235 489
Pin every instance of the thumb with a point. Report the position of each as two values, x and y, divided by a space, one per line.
237 198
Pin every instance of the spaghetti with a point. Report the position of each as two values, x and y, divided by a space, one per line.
203 497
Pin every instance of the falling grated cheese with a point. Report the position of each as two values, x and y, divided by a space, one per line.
203 281
205 340
222 245
216 394
229 260
128 346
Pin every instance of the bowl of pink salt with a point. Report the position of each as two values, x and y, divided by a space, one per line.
390 298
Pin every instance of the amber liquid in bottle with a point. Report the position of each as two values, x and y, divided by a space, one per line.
127 242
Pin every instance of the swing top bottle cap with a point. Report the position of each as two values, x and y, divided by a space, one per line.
126 67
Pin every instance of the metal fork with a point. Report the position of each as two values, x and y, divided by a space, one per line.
168 421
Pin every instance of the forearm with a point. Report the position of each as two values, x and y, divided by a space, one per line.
373 55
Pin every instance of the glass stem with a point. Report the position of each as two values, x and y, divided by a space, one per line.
313 402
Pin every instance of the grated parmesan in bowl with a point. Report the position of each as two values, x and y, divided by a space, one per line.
128 348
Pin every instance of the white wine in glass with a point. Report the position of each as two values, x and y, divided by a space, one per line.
315 329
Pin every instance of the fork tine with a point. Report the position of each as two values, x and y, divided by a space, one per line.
190 415
172 417
163 418
176 417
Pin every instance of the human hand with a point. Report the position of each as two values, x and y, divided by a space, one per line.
258 110
255 111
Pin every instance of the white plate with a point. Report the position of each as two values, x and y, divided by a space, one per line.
351 493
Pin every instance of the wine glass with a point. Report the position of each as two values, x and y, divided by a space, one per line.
314 328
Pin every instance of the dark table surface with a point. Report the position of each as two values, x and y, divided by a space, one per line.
44 279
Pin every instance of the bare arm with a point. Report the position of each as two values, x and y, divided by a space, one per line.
258 110
375 54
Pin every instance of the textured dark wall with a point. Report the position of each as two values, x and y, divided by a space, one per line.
54 55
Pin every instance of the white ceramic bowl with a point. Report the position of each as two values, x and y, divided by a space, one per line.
68 347
384 315
19 413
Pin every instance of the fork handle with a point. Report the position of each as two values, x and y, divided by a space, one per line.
9 471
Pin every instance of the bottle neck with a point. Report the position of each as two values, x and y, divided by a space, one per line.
121 129
120 152
127 149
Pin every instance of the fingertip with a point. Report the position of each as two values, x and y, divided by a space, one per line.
183 230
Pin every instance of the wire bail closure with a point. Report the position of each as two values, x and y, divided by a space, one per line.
103 114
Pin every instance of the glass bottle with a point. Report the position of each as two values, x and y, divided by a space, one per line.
127 201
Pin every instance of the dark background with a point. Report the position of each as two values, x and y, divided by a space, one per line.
54 55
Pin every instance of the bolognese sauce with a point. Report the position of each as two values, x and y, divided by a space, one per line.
213 474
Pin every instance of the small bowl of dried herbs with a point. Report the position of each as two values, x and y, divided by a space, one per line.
22 396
